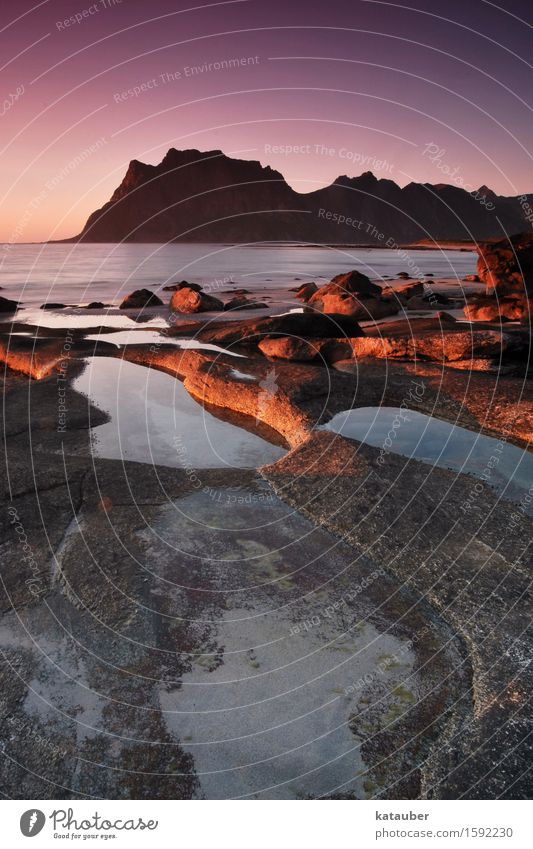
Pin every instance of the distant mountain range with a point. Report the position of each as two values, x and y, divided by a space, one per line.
195 196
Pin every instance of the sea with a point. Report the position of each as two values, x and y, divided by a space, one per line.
76 274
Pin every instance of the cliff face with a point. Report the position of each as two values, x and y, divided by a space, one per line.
209 197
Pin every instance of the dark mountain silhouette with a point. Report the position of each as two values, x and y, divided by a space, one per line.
209 197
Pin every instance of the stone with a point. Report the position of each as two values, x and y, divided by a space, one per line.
312 324
95 305
52 306
356 283
139 299
440 347
494 309
188 300
405 291
507 265
333 300
174 287
287 348
6 305
306 291
242 303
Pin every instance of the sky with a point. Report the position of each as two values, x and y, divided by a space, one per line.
434 91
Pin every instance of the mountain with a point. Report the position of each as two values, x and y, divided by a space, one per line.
198 196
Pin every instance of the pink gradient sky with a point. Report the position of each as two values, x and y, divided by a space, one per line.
374 78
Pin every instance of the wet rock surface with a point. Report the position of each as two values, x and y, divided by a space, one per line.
139 299
468 557
347 623
137 594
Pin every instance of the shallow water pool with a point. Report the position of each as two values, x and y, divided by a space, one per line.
153 419
503 466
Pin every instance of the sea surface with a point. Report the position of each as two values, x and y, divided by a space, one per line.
78 274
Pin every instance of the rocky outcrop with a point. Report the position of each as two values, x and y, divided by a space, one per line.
507 265
354 295
506 268
508 308
140 299
205 196
306 291
308 325
451 346
188 300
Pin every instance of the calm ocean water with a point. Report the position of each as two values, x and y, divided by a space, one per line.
77 274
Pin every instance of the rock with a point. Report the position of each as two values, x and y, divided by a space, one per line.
321 351
174 287
506 268
403 275
471 278
406 290
437 298
334 302
429 274
445 316
139 299
306 291
287 348
51 306
310 324
242 303
6 305
354 295
188 300
440 347
354 282
509 308
95 305
418 305
507 265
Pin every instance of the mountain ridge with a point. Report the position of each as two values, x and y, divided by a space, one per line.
206 196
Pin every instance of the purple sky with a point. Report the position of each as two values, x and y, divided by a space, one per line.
359 85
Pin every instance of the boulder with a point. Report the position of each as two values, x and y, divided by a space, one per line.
321 351
405 291
333 300
287 348
510 308
6 305
174 287
95 305
189 300
419 305
437 298
139 299
306 291
354 282
242 303
471 278
403 275
51 306
507 265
